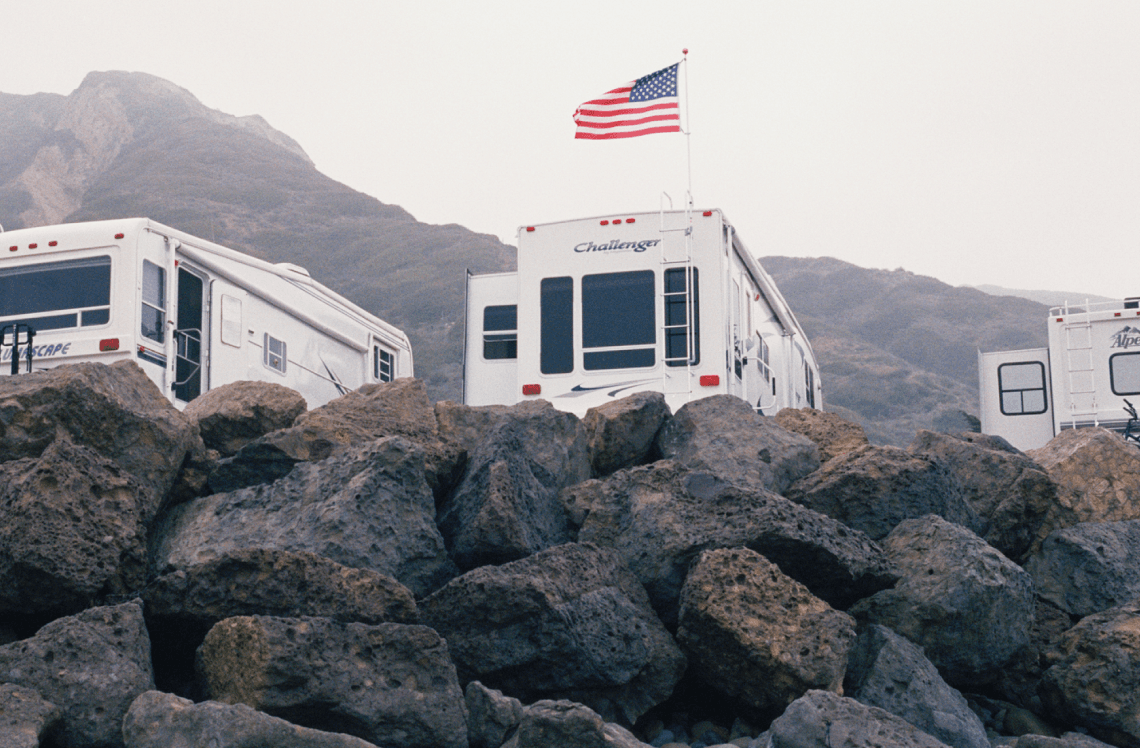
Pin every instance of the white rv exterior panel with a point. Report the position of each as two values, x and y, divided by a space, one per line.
1016 397
490 374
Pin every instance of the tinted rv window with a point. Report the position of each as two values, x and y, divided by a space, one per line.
1124 369
680 301
556 326
500 332
60 294
1022 388
153 302
275 353
618 314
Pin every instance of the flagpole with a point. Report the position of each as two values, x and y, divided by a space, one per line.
688 129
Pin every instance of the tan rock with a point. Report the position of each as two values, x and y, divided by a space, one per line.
832 434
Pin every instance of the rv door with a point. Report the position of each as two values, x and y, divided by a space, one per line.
1016 403
191 335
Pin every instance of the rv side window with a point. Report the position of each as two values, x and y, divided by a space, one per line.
556 325
381 364
618 316
275 353
809 382
153 302
500 332
1022 388
680 302
74 293
1124 370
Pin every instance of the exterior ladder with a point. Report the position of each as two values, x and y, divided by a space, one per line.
1081 377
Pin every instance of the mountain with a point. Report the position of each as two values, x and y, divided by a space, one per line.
1048 298
896 349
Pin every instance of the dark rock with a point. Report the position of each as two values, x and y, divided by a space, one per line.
566 724
1019 680
953 421
369 508
91 665
162 720
1068 740
833 434
968 606
1095 679
255 464
466 425
233 415
73 529
872 489
622 431
756 634
1089 567
570 622
1099 477
260 581
892 673
506 506
660 517
25 717
724 436
390 684
114 410
491 716
821 719
1006 488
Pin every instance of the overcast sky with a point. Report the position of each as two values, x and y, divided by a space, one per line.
976 141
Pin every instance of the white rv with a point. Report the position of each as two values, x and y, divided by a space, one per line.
1092 363
603 307
192 314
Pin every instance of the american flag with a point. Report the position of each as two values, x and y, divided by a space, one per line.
641 107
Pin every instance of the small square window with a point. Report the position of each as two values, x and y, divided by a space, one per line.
275 357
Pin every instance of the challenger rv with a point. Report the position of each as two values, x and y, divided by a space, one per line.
192 314
603 307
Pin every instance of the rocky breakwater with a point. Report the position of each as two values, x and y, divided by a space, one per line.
384 571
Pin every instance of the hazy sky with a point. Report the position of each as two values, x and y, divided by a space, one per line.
977 141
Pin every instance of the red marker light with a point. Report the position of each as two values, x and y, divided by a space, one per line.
52 243
630 220
532 389
110 344
710 380
707 213
605 223
119 236
33 245
12 249
530 228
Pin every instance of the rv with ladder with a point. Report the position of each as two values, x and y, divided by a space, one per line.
193 314
600 308
1082 378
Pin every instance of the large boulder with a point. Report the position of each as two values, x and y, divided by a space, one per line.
968 606
565 724
506 505
1094 681
892 673
1007 489
369 508
758 635
73 529
622 431
724 436
659 517
822 719
833 434
91 665
1089 567
569 622
491 716
115 410
25 716
872 489
262 581
163 720
234 414
1098 472
390 684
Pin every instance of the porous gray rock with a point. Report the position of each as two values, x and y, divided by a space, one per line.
724 436
1003 486
1089 567
872 489
390 684
833 434
91 665
892 673
466 425
1098 473
73 529
569 622
1094 680
1068 740
658 517
621 432
822 719
163 720
756 634
234 414
369 507
263 581
491 716
506 505
25 716
114 410
967 605
565 724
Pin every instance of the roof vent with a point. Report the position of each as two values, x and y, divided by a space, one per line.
293 268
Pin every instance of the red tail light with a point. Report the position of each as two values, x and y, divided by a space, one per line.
109 344
532 389
710 380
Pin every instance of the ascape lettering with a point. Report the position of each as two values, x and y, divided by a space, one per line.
617 246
